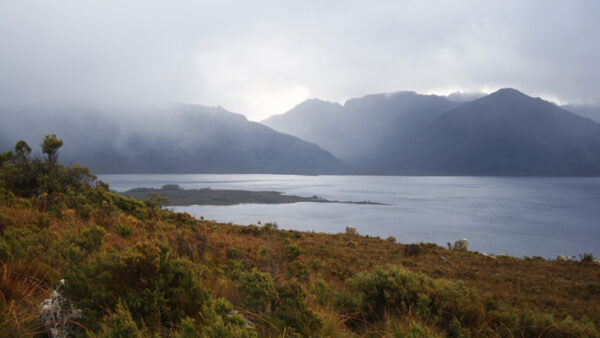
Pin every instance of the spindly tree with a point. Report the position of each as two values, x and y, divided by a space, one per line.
50 147
22 149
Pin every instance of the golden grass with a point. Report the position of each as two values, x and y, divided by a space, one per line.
561 288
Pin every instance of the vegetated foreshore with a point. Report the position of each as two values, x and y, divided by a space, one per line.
172 194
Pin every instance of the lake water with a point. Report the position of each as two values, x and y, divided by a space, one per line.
516 216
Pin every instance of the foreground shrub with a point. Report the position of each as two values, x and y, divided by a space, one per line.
283 305
587 257
218 320
155 288
371 296
120 324
506 322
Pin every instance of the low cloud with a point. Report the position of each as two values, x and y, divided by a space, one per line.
263 57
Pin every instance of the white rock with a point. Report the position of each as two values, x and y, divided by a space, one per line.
248 322
562 258
461 244
57 315
488 255
350 230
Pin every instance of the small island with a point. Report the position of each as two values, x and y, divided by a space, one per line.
207 196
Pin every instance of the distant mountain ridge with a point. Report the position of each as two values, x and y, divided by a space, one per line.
174 139
362 127
504 133
402 133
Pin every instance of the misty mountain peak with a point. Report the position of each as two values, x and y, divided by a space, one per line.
460 96
509 100
315 103
371 99
508 93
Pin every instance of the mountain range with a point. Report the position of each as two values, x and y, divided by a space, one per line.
170 139
402 133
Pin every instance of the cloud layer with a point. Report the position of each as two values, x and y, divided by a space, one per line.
261 58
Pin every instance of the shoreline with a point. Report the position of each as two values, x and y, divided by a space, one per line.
174 195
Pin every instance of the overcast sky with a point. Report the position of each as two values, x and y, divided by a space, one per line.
261 58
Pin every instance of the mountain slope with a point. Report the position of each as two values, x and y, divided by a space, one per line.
504 133
591 112
362 128
175 139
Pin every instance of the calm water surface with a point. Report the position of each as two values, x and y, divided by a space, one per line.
516 216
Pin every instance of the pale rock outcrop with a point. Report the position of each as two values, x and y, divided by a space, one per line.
350 230
57 315
461 244
248 322
488 255
564 258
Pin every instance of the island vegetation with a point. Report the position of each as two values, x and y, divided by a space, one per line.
172 194
121 267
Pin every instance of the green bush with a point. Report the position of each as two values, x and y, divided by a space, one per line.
217 320
587 257
91 237
284 305
291 252
297 270
396 292
120 324
292 313
321 292
413 249
156 288
256 291
506 322
124 230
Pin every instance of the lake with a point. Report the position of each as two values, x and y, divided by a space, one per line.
518 216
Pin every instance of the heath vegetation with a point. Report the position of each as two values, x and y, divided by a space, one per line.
138 270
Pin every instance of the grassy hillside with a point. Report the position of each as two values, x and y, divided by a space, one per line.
138 270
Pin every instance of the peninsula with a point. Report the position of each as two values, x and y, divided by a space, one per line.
207 196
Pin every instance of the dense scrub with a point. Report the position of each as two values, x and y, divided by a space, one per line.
138 270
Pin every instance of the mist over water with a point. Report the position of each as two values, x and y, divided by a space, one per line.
542 216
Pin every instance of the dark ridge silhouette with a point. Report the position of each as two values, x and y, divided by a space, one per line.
403 133
178 139
362 128
504 133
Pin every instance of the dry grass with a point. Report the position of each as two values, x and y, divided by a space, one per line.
561 288
22 288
